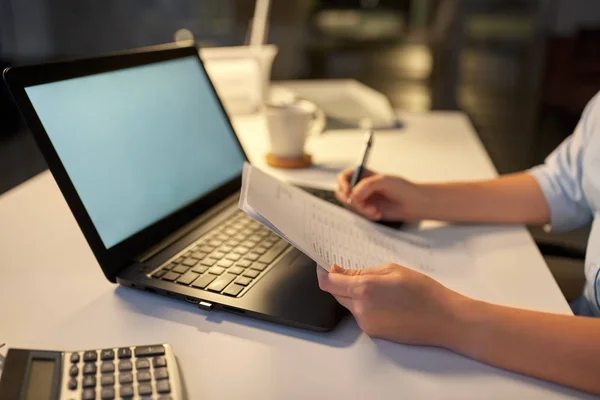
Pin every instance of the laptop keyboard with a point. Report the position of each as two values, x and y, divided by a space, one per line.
226 260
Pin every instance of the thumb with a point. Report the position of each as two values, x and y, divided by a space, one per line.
336 269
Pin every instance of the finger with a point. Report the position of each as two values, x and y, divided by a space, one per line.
367 187
338 281
378 270
341 196
343 181
367 210
346 302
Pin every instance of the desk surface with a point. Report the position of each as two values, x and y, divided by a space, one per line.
53 294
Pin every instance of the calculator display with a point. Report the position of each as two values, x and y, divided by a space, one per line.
41 376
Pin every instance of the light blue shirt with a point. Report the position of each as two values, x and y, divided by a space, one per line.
570 180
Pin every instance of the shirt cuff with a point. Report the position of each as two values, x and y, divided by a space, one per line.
557 205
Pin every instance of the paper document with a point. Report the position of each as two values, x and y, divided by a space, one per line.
330 234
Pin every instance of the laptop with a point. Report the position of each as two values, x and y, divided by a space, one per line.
150 166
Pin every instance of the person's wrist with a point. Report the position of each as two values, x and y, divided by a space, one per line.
459 328
423 207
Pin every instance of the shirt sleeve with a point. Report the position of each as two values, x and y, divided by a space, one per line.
560 177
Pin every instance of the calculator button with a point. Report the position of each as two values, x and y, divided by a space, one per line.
142 364
163 387
75 358
90 356
125 377
107 393
159 362
126 391
72 384
89 381
124 352
73 371
107 366
89 369
144 351
161 373
107 354
144 376
107 380
145 388
88 394
125 365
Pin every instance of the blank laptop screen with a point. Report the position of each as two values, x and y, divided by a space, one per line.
139 143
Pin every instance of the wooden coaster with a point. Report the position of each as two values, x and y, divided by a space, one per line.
288 163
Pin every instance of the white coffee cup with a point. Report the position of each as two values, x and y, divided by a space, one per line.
290 124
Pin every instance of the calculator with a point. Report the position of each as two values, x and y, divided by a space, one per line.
138 372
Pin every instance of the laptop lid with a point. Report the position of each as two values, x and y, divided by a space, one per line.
138 143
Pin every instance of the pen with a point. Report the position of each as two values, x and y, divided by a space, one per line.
357 175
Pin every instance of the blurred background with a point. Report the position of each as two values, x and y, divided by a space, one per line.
522 70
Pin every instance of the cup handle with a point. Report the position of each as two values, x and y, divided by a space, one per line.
318 122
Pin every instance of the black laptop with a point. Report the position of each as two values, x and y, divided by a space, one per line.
147 160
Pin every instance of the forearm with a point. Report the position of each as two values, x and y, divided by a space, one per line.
515 198
557 348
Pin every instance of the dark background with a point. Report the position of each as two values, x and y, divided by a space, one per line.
521 69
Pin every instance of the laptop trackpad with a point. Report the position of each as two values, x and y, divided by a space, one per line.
290 294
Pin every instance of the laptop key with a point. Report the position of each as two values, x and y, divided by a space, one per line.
233 257
206 248
209 262
235 270
171 276
241 250
243 280
216 270
179 259
159 273
217 255
170 266
233 290
189 262
243 263
200 269
260 266
188 278
260 250
221 282
199 255
252 256
204 281
233 242
226 248
251 273
180 269
273 253
215 242
225 263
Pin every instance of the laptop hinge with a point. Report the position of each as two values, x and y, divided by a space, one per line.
186 229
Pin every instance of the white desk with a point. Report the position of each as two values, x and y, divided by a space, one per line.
54 295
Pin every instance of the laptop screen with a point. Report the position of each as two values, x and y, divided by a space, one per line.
139 143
